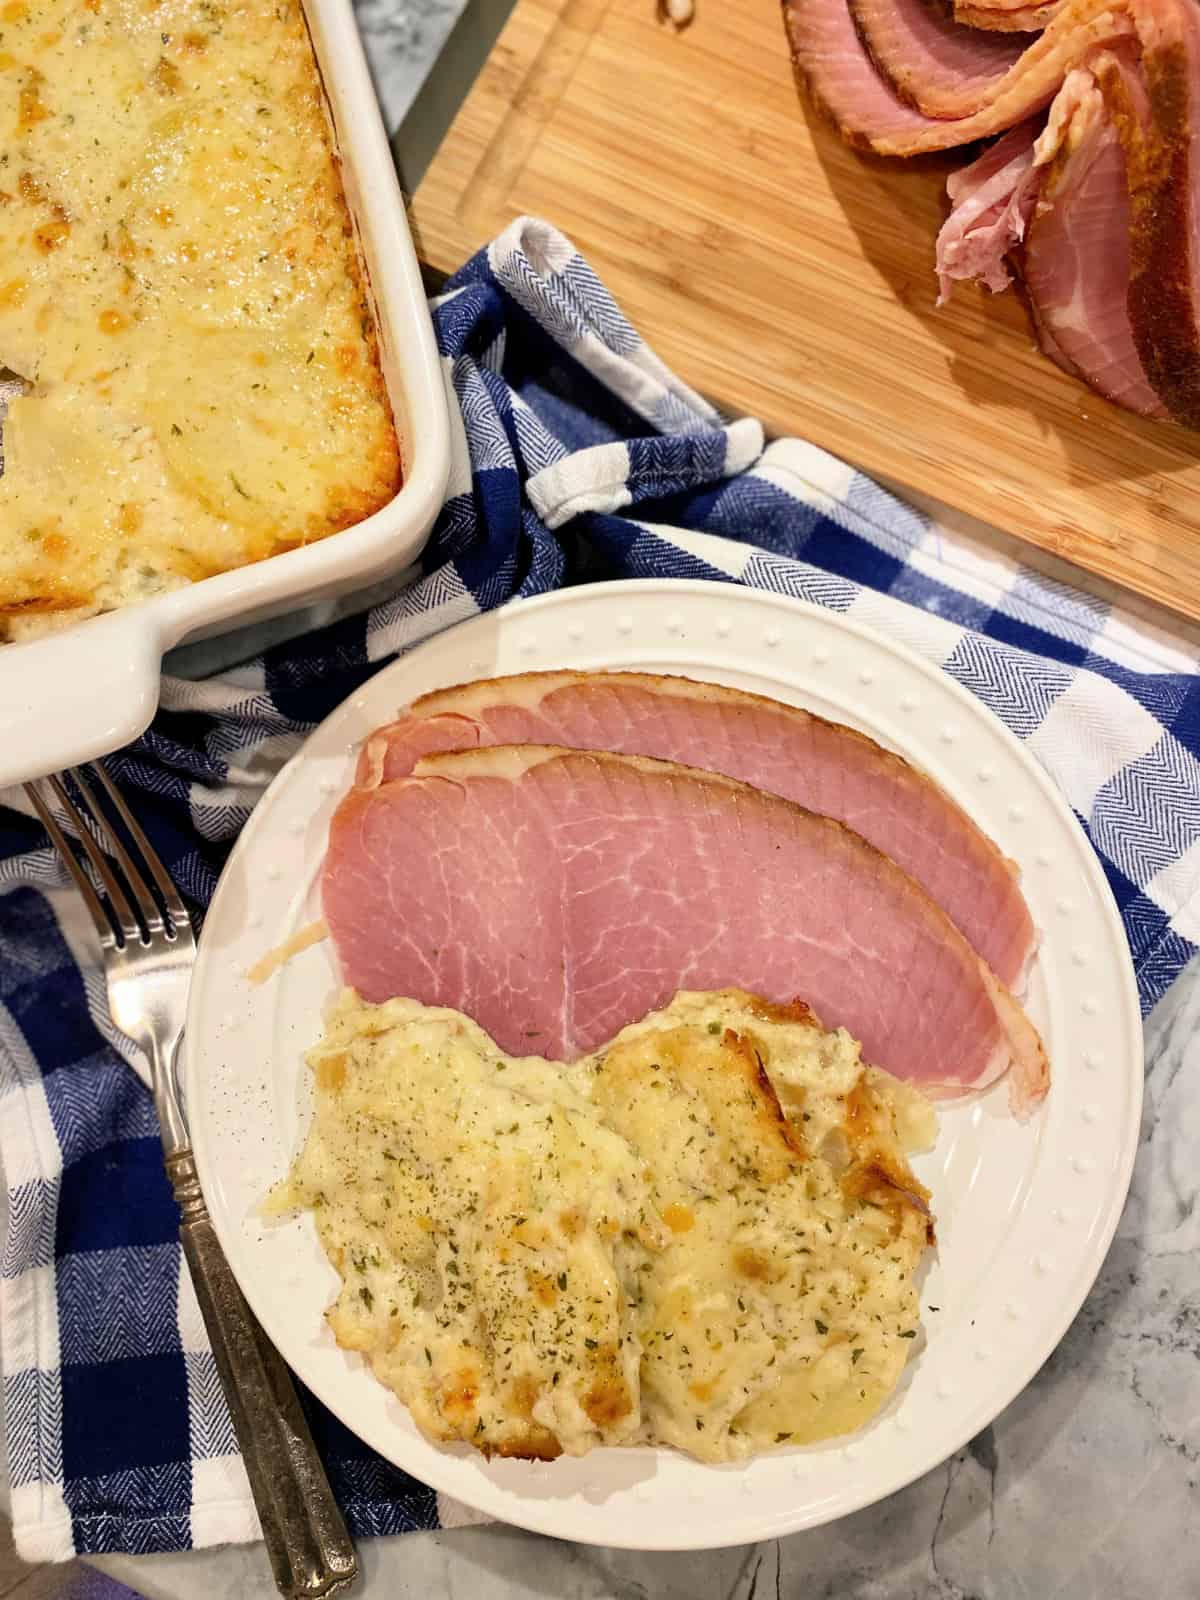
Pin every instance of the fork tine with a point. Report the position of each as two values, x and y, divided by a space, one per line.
70 860
108 839
166 886
127 923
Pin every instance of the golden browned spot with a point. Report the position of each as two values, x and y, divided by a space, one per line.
331 1072
860 1117
347 358
49 40
876 1173
188 251
112 321
459 1396
752 1263
524 1394
31 190
543 1289
91 5
163 215
424 1222
6 61
793 1011
54 545
15 11
195 43
888 1186
131 516
702 1390
166 77
124 249
30 109
13 292
61 600
571 1222
50 235
607 1401
679 1218
535 1444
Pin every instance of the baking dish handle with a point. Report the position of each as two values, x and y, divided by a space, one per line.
75 695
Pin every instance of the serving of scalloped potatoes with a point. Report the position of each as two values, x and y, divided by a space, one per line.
704 1235
180 286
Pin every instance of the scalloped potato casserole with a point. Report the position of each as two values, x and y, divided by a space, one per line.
180 287
704 1235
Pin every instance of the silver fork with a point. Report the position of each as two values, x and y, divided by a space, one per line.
149 949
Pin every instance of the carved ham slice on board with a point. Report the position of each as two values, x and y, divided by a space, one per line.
1092 194
927 59
1060 205
835 61
780 749
556 895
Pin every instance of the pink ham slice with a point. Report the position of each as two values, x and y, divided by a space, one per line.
991 202
1058 200
835 64
1075 263
927 59
557 895
820 765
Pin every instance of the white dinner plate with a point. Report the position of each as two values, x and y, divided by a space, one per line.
1025 1211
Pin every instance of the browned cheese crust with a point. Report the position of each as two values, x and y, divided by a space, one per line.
181 286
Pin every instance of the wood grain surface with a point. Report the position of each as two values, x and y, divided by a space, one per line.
789 277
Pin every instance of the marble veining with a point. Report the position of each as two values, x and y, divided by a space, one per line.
403 39
1086 1488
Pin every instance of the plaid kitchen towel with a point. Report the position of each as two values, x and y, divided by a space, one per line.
578 456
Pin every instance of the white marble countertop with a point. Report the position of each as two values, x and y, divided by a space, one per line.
1083 1489
1086 1488
403 39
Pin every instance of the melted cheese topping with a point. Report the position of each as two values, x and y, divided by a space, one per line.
179 284
638 1247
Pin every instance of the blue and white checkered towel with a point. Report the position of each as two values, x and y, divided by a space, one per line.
578 456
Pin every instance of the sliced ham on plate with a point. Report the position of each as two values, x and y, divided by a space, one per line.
556 895
821 765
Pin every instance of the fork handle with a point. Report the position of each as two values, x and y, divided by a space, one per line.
310 1550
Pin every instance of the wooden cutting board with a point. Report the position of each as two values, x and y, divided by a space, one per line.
786 276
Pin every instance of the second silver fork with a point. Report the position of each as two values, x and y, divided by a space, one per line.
148 948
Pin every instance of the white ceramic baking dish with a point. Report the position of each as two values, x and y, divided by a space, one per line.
72 696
